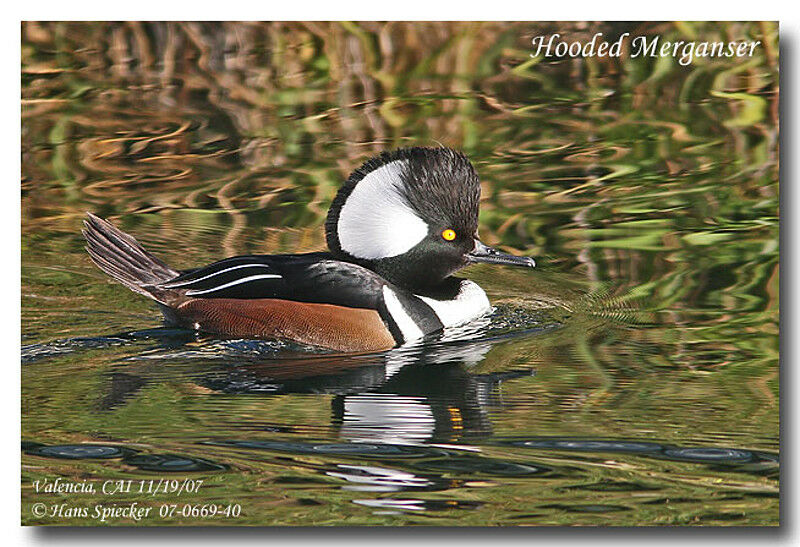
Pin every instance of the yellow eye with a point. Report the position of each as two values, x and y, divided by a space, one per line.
448 235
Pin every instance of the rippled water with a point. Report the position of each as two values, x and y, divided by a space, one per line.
631 378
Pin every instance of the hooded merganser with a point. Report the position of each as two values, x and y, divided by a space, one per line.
397 230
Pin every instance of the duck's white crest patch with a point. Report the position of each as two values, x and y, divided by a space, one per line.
375 220
408 328
470 303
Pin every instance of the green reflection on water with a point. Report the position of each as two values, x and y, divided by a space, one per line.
647 191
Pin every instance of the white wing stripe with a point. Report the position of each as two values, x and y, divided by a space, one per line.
191 281
232 283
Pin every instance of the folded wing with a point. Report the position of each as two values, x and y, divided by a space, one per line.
313 278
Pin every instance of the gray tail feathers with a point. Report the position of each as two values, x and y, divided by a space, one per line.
123 258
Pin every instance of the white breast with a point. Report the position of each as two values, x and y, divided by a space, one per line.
470 303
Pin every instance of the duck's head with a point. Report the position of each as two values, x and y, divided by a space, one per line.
411 215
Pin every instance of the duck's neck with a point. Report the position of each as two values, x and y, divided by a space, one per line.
447 289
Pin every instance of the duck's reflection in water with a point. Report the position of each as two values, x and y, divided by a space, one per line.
407 396
426 393
424 397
